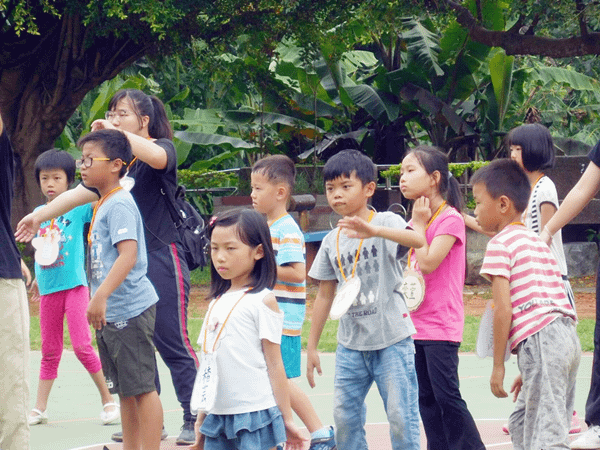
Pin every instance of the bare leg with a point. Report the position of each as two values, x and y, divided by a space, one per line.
130 423
43 392
100 383
302 406
150 419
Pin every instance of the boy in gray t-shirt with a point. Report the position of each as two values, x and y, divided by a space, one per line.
374 336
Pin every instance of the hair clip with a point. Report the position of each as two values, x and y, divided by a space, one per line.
212 221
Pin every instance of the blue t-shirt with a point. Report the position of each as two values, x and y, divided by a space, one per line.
68 271
289 247
118 219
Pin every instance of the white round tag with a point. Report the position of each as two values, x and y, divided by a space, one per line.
344 297
46 248
413 289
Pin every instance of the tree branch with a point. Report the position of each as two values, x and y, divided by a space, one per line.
518 44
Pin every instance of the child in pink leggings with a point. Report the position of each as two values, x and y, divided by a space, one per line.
61 287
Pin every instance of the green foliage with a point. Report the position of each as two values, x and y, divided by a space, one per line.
457 169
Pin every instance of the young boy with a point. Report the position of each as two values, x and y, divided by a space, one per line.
61 287
374 335
532 312
122 308
273 181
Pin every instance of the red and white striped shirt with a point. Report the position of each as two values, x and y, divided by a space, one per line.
537 291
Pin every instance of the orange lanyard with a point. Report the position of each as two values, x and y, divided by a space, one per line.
222 326
516 223
96 208
339 259
283 215
437 213
49 229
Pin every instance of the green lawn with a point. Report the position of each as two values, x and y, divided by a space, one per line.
328 341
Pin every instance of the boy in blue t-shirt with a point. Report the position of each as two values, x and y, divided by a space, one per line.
122 308
61 287
273 179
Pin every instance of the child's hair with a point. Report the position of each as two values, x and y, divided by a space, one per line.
55 159
114 144
277 169
146 105
505 177
432 159
536 142
347 162
252 229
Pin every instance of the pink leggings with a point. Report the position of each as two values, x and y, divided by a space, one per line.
53 307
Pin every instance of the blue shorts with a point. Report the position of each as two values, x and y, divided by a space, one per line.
291 346
257 430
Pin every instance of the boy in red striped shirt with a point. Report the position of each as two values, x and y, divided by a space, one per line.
532 312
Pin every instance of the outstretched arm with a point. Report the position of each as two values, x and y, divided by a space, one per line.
356 227
29 225
581 194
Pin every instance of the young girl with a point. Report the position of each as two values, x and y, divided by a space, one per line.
241 334
439 319
63 286
531 146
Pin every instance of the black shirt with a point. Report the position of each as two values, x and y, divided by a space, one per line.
10 260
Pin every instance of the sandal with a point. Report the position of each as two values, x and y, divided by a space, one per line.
108 417
39 417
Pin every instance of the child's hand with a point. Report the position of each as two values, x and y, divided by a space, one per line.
102 124
312 362
27 228
34 290
295 439
96 312
516 387
497 382
421 212
26 273
355 227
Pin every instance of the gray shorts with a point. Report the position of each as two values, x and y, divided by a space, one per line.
127 354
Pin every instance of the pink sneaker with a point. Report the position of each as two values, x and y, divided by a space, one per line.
505 428
575 425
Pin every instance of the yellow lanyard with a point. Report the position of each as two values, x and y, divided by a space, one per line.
339 259
96 208
49 229
437 213
222 326
516 223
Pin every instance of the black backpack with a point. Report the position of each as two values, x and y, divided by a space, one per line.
190 226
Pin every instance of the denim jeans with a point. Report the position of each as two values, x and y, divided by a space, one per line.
393 370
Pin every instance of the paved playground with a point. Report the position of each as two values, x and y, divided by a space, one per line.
75 405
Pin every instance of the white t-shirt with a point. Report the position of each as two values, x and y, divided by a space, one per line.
545 192
244 384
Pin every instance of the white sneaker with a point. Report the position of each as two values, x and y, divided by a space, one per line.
588 440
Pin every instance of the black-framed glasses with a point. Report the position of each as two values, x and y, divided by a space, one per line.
87 162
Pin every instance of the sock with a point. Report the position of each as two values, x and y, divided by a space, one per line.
323 433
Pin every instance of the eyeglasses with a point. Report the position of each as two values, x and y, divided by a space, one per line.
87 162
110 115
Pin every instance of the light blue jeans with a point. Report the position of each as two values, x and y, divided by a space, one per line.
393 370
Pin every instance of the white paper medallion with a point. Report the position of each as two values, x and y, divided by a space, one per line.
413 289
344 297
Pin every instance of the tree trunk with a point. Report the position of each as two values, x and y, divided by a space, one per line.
43 79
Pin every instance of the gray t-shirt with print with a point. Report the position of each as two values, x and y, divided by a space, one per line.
379 316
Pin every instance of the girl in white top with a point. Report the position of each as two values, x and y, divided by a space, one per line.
240 338
531 146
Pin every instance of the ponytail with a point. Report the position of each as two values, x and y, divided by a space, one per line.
159 126
432 159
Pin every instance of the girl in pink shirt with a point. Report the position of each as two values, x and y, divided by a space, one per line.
439 319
